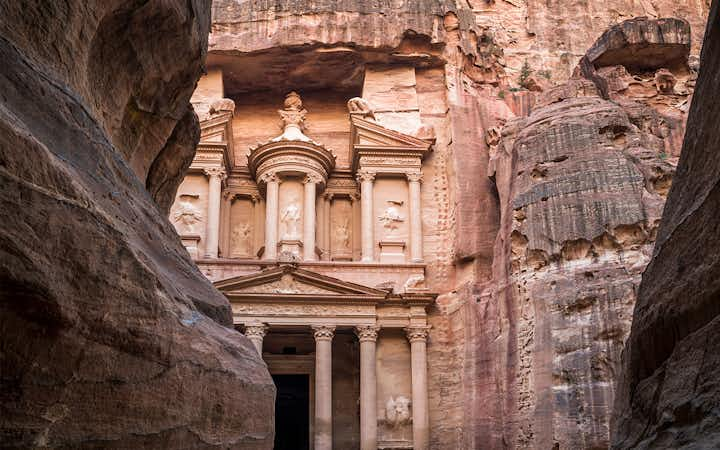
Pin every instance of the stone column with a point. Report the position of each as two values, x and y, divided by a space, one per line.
216 175
323 386
416 238
367 335
272 187
310 182
327 198
256 332
366 179
417 335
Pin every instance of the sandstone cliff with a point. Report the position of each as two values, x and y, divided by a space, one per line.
111 336
668 391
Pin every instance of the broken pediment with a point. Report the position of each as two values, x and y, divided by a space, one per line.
289 280
368 138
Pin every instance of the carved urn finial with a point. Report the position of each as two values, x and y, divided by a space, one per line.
293 119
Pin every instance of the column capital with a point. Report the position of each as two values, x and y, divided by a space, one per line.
365 175
367 332
418 333
215 172
255 198
414 176
256 330
323 332
328 196
270 177
312 178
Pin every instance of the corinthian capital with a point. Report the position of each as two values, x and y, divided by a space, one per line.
269 177
256 330
323 332
414 176
417 333
215 172
365 175
367 332
312 178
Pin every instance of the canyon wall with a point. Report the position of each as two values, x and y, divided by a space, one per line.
668 390
112 338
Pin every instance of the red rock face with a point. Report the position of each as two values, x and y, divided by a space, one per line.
667 394
111 336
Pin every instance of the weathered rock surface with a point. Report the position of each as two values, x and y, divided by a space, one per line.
668 389
111 336
582 182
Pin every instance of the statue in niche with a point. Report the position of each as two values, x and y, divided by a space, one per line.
397 411
187 214
342 234
241 238
391 218
291 219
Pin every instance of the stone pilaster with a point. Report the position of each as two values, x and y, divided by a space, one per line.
323 386
272 190
417 335
310 182
366 180
416 238
367 335
216 176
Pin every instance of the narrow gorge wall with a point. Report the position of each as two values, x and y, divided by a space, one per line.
668 392
111 337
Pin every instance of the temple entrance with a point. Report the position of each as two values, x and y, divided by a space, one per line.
292 408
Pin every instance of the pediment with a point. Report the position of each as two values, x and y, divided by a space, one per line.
368 133
288 280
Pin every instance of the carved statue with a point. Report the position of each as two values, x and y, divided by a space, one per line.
414 282
187 215
291 218
342 234
241 238
361 107
391 218
293 119
397 411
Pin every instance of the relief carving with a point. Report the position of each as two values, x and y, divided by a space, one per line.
360 107
291 219
397 412
341 236
391 218
241 239
187 215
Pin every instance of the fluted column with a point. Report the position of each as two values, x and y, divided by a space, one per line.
416 238
212 233
310 182
367 335
323 386
417 335
256 332
272 188
366 180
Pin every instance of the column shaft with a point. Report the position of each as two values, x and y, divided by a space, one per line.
213 220
418 362
366 192
368 387
309 220
323 387
416 247
271 216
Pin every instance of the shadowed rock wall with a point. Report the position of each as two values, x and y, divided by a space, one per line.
668 390
111 336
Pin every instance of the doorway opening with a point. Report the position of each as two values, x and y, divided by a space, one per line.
292 412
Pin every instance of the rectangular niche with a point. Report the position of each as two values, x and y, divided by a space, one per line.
394 390
341 229
391 214
242 228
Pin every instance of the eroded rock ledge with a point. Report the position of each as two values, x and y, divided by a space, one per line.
111 336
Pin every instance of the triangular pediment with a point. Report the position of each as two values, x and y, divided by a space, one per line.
369 133
289 280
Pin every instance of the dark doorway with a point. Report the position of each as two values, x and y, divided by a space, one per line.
292 419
